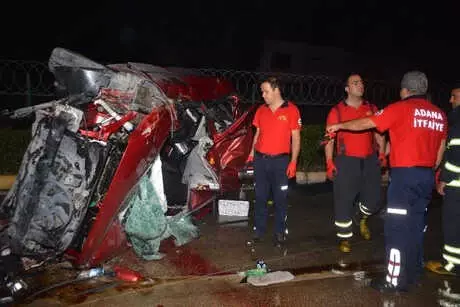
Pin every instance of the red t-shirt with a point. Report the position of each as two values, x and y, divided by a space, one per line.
353 143
416 129
275 128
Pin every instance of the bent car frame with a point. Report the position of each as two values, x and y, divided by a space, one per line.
90 148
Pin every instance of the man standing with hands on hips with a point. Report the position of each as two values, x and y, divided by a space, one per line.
418 131
275 150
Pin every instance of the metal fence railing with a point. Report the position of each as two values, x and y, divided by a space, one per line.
31 81
310 90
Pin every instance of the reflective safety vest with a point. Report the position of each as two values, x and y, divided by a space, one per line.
451 167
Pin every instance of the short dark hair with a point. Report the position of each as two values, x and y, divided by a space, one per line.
274 82
347 77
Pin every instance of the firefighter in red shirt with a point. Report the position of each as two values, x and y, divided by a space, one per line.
417 131
275 151
355 169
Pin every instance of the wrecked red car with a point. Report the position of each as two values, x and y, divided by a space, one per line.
112 126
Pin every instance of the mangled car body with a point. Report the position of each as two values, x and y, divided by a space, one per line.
114 125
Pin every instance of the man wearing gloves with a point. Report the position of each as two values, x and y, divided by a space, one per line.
353 161
417 131
274 152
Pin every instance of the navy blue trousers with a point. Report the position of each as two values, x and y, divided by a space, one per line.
270 179
409 194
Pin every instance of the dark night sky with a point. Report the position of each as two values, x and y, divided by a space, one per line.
229 34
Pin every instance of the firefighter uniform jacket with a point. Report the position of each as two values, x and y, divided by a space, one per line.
450 168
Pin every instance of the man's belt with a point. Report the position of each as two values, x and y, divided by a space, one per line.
263 155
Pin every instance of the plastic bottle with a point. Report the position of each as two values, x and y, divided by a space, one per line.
16 286
91 273
260 265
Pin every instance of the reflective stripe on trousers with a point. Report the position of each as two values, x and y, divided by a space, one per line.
394 261
409 194
344 229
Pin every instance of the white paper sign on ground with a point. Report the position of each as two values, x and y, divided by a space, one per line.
229 207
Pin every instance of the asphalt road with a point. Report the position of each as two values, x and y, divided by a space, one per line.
204 272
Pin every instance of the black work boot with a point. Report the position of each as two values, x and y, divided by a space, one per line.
383 286
279 240
256 237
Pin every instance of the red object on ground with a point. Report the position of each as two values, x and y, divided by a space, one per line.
126 274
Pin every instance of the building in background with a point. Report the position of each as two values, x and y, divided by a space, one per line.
302 58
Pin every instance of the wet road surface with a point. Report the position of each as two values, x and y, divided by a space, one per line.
322 289
204 272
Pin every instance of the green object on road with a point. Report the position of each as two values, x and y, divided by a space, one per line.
256 272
